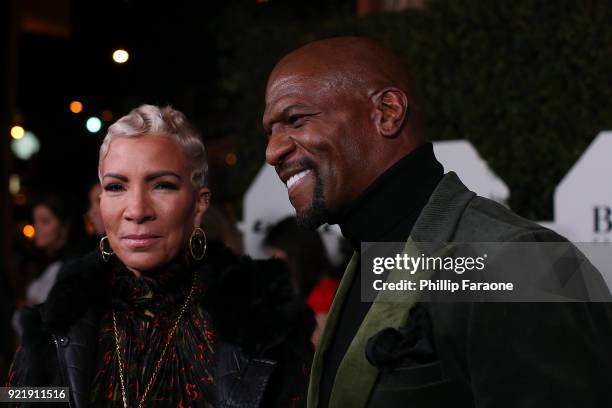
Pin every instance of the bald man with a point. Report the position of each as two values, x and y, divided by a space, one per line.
344 134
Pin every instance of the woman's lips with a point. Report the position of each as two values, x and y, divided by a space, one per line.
140 241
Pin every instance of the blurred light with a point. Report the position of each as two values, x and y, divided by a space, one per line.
93 124
25 147
29 231
21 199
76 107
89 228
120 56
14 184
17 132
107 115
230 159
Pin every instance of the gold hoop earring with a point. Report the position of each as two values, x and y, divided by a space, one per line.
197 243
106 254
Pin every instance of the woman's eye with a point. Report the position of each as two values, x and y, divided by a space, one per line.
165 185
113 187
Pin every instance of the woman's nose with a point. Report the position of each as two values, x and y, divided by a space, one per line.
139 208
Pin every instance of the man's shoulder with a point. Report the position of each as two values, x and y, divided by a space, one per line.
454 213
458 214
486 220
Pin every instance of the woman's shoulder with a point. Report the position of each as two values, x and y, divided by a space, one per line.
81 284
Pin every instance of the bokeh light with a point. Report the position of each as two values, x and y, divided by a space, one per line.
107 115
231 159
76 107
21 199
120 56
93 124
14 184
29 231
17 132
26 146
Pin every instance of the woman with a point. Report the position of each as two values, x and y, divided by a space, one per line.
155 318
58 231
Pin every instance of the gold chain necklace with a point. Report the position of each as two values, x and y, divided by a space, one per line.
161 358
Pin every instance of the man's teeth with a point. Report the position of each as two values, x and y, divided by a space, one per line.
296 177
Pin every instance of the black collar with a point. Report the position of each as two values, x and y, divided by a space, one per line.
387 210
251 303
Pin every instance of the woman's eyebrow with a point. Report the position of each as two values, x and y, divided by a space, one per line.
162 173
115 175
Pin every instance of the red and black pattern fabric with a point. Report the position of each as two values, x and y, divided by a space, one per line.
146 307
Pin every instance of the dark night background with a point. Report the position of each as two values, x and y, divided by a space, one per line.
177 51
527 82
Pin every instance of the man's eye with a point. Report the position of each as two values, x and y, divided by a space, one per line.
165 185
113 187
295 119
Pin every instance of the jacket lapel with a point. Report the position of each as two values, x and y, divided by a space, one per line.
76 351
328 331
356 377
438 220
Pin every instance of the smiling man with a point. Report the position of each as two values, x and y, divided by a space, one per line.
320 125
345 136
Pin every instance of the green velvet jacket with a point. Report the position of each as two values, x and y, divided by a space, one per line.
487 355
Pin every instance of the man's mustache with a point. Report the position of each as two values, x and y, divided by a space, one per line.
303 164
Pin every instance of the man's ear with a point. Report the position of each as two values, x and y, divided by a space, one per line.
202 204
391 108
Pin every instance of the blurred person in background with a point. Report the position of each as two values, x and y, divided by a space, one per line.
311 270
158 316
220 228
93 212
59 231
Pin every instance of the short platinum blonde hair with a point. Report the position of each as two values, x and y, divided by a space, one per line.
166 122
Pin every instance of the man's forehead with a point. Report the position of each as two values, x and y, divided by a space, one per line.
283 84
295 88
286 80
303 82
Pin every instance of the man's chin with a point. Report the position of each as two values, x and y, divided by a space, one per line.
311 218
315 213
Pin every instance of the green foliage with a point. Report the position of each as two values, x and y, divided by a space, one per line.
528 82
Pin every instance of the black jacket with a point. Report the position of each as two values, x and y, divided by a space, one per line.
263 348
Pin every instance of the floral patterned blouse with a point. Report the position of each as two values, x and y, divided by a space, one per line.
146 307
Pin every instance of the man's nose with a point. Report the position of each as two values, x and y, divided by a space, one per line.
139 208
280 145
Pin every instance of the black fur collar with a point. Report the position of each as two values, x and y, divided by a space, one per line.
251 303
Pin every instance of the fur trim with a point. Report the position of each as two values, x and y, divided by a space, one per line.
251 303
81 284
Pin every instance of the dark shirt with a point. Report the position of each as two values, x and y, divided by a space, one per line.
385 212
